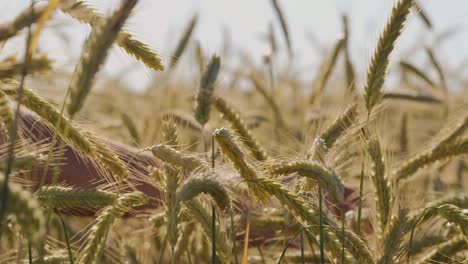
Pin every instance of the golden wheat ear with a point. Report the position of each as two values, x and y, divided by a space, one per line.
82 12
26 208
98 232
26 18
94 53
377 71
233 117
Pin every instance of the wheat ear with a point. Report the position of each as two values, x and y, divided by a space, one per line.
325 178
233 117
36 63
445 251
27 211
183 42
381 185
339 125
205 92
65 197
325 71
170 133
80 11
172 208
198 184
202 215
94 53
105 220
310 220
27 17
442 152
227 143
82 141
379 63
178 158
6 114
392 238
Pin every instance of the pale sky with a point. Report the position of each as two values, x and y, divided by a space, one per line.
160 23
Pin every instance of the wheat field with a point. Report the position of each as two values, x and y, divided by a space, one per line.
263 168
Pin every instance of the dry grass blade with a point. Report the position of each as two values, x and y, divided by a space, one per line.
80 11
410 68
27 17
94 54
183 42
233 117
412 98
65 197
105 220
437 66
423 15
205 92
379 63
325 71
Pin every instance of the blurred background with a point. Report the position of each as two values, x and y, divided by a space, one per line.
238 28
